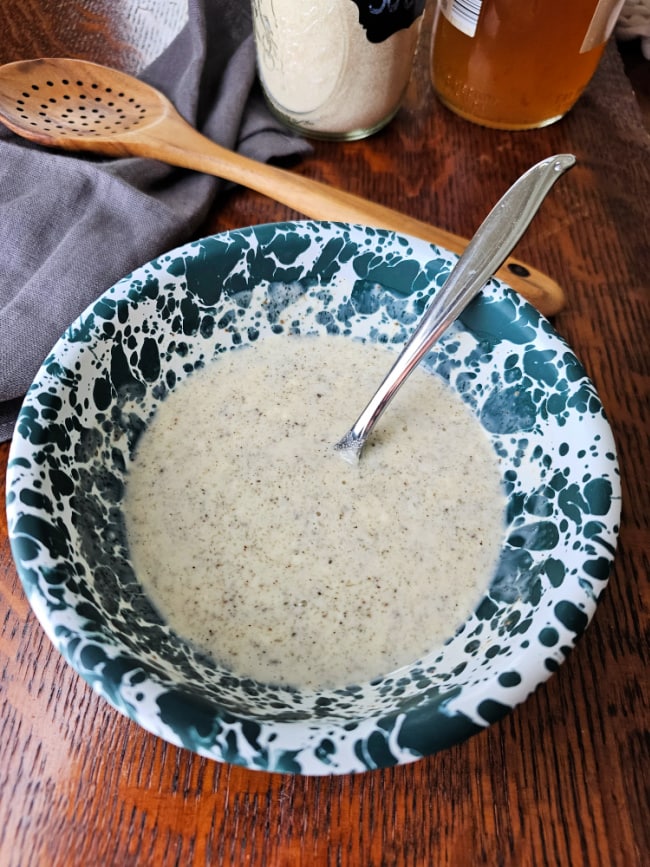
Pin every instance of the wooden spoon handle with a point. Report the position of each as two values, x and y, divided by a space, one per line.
190 149
322 202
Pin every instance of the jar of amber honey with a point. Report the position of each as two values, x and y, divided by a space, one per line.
517 64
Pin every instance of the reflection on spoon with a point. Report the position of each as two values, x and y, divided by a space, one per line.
486 252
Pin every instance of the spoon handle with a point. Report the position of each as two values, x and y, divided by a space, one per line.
488 249
320 201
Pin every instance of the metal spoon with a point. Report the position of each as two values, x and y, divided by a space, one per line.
76 105
495 238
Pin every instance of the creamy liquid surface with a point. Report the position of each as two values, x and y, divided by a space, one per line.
258 543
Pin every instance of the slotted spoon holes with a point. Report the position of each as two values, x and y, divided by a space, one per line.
77 107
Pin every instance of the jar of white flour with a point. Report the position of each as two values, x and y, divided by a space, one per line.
335 69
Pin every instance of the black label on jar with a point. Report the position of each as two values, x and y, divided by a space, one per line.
381 18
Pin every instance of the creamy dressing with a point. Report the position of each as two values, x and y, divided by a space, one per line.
261 545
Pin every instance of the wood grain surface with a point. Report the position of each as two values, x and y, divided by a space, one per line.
563 780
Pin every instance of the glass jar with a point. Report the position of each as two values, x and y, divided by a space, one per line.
517 64
335 69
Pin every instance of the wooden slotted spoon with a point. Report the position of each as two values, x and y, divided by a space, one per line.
78 105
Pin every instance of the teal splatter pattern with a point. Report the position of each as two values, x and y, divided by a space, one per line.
97 390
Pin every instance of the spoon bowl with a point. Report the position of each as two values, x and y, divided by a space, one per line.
79 105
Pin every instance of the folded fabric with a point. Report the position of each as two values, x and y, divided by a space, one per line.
71 225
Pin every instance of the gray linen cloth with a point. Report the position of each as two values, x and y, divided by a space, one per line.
71 225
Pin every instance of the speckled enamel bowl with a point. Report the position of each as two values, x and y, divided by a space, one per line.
96 392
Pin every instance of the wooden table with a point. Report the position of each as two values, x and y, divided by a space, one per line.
562 780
